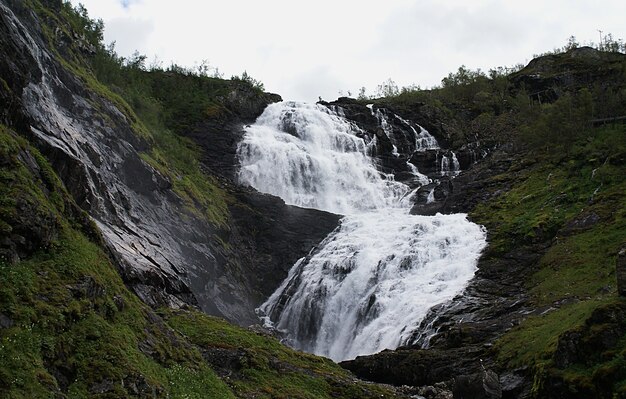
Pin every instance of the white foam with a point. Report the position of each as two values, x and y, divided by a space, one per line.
371 282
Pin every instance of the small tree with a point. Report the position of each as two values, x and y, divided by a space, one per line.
572 43
388 88
245 77
362 94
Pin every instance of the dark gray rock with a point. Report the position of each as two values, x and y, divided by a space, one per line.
514 384
87 288
482 385
417 367
102 387
6 321
580 223
437 391
585 345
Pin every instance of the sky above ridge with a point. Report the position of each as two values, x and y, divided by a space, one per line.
327 48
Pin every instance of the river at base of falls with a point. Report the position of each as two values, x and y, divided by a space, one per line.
368 285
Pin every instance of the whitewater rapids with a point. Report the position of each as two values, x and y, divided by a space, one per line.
368 285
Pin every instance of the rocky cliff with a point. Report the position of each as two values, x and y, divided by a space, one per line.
166 250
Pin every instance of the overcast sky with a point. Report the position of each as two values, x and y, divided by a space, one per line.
306 49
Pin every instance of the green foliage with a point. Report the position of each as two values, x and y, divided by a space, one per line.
254 83
186 383
560 124
91 30
463 77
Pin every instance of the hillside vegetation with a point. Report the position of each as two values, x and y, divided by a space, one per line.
559 125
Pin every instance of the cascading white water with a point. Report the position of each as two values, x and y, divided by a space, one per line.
313 158
423 139
370 282
450 165
384 124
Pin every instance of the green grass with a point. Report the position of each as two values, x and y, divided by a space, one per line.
535 339
552 193
186 383
268 368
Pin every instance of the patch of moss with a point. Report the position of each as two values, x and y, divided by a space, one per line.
533 342
196 384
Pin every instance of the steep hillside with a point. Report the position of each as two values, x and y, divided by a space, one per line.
114 237
112 132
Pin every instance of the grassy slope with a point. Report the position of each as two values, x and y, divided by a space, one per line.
71 313
576 275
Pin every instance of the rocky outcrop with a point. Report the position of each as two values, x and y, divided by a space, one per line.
219 134
548 77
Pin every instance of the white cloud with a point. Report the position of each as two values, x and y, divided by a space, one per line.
128 33
302 50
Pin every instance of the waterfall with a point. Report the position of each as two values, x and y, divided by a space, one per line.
369 283
311 157
387 129
450 165
423 140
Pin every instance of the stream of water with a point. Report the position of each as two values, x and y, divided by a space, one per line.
368 285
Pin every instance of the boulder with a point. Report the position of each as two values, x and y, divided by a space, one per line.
482 385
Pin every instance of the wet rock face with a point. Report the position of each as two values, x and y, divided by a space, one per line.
270 236
92 147
166 254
